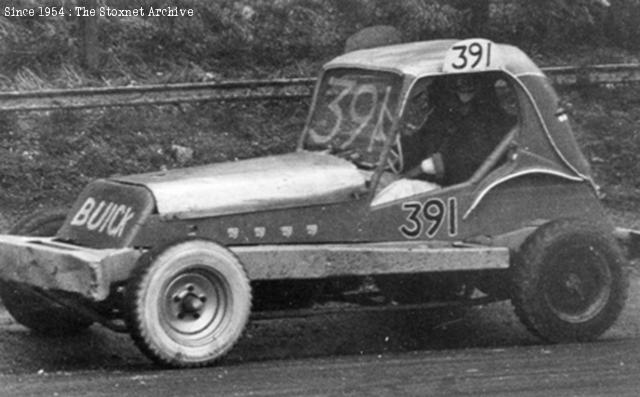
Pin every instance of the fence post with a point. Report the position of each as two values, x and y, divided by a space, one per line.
89 32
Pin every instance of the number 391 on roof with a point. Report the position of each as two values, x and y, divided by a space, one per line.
472 55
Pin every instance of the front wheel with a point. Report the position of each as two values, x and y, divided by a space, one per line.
569 281
187 304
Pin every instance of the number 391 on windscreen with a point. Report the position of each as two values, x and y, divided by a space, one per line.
472 55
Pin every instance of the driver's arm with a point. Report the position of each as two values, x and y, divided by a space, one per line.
428 166
431 166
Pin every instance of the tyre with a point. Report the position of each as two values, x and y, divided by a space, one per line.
43 223
187 304
24 304
569 282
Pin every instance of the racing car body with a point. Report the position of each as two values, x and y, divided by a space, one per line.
177 253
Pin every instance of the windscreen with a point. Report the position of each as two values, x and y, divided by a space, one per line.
354 113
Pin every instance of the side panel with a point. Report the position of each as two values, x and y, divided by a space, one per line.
557 125
532 200
343 222
433 215
510 206
437 215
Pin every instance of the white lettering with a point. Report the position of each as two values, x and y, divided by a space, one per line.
84 12
125 219
91 223
169 12
83 214
19 12
107 217
111 230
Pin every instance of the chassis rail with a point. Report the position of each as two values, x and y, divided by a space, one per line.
377 308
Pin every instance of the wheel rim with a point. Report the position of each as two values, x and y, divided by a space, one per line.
578 284
194 306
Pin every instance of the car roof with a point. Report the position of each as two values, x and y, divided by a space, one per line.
545 135
425 58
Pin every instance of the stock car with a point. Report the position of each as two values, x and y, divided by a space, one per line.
181 258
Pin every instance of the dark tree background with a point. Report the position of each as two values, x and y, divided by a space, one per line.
47 157
257 37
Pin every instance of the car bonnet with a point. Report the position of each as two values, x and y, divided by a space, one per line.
290 180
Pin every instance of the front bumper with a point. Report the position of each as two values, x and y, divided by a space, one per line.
48 264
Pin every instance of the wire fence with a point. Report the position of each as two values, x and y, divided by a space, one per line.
251 90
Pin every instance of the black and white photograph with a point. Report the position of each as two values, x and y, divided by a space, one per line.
319 198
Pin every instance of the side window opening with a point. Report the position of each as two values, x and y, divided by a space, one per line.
507 101
455 129
507 97
466 117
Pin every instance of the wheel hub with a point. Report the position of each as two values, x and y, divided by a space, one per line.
575 285
579 287
189 302
192 303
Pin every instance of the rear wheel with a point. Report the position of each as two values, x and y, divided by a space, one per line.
569 282
187 304
24 303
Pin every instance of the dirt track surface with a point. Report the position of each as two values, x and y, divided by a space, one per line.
603 368
486 351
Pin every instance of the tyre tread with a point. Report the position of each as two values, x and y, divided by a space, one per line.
133 314
526 270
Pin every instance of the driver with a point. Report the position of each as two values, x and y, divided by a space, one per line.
464 124
473 122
